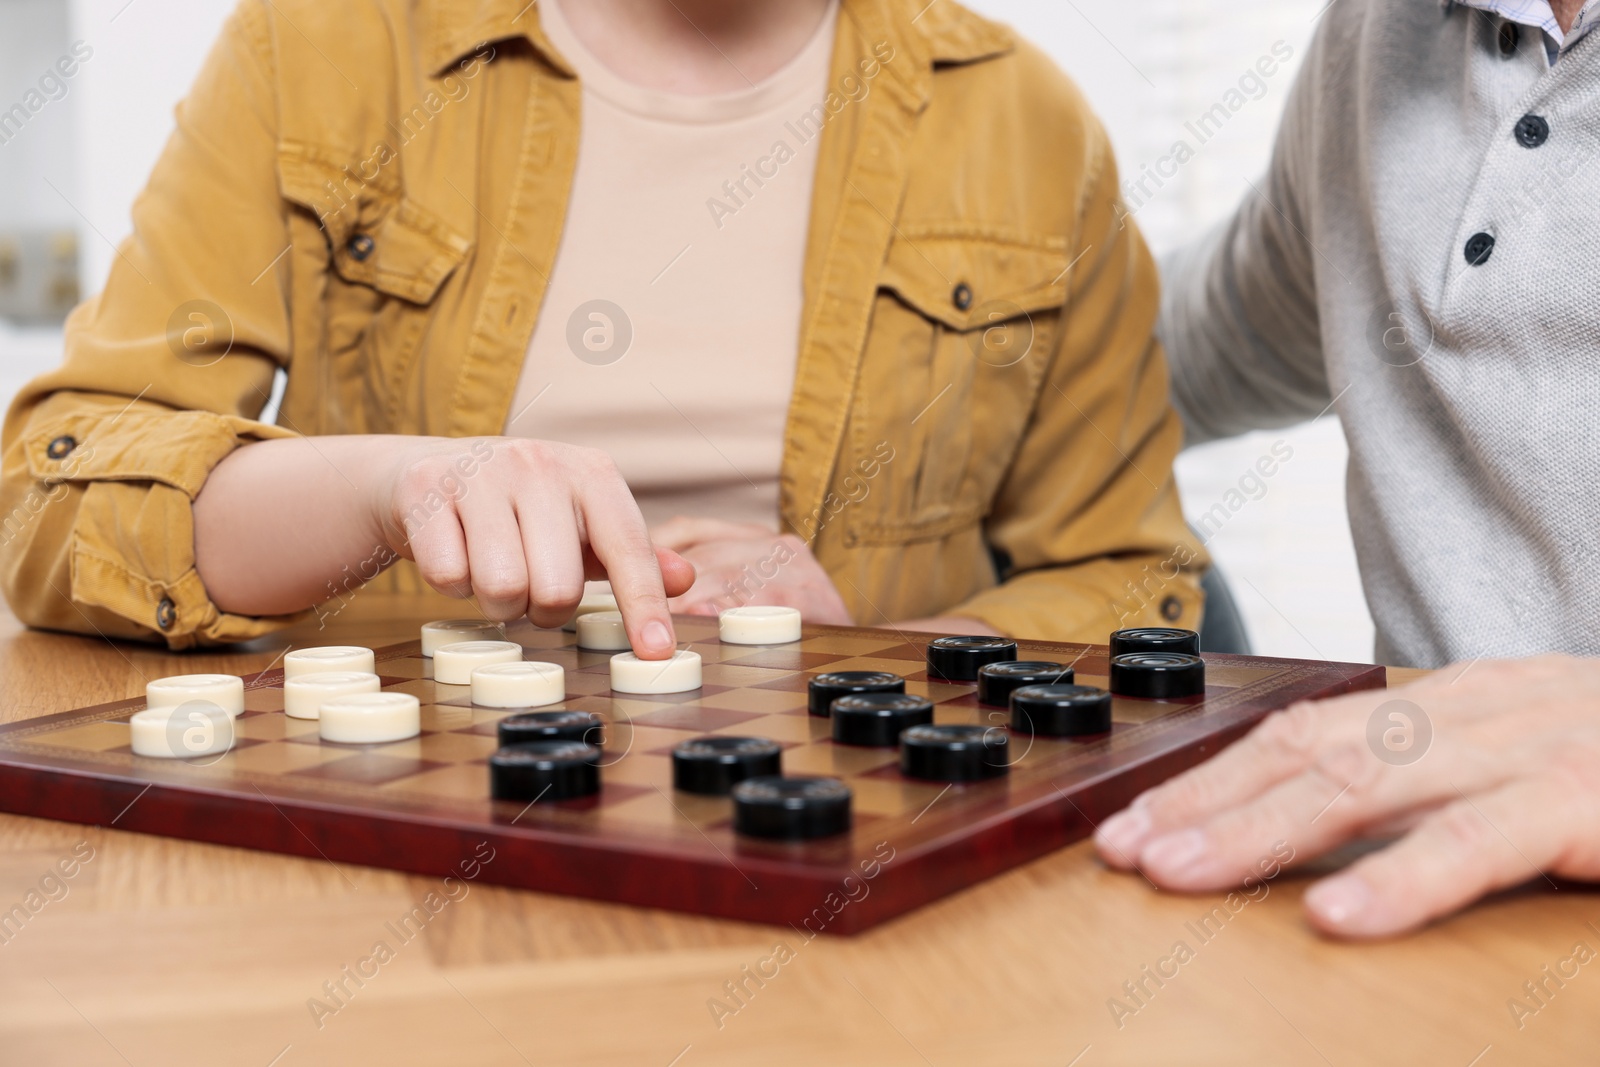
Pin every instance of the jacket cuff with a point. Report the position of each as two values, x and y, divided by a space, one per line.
132 543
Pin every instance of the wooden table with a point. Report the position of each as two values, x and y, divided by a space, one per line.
164 952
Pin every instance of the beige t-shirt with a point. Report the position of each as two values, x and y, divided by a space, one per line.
669 330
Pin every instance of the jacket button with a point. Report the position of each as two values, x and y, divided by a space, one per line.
1479 245
61 447
961 296
1508 39
166 613
361 246
1171 609
1532 131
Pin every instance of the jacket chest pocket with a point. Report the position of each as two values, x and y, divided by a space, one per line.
386 259
962 332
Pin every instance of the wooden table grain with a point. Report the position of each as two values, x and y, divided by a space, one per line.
157 951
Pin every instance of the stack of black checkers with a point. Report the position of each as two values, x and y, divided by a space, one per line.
1157 663
546 756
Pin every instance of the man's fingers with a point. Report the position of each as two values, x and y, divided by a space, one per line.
554 556
1345 792
1454 856
1280 747
619 540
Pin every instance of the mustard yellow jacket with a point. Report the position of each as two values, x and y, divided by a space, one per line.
368 196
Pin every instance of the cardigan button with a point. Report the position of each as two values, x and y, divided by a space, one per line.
61 447
1508 39
961 296
166 613
361 246
1531 131
1171 609
1479 247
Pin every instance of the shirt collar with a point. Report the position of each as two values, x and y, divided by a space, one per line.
1537 14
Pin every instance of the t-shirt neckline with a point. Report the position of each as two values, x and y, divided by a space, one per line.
797 78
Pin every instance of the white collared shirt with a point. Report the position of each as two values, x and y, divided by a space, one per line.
1539 14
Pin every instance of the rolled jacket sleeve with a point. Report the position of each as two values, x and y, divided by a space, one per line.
1088 517
165 373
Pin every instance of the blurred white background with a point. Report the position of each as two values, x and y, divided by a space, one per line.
1149 68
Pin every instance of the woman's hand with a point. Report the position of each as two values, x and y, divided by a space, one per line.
742 563
521 524
1489 773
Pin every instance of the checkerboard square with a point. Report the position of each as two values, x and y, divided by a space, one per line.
265 698
368 768
281 759
939 692
732 675
441 748
274 727
92 737
757 701
787 729
579 684
625 738
691 717
892 795
638 768
667 808
461 781
779 659
407 668
904 668
839 761
840 646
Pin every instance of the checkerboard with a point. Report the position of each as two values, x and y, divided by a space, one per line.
423 804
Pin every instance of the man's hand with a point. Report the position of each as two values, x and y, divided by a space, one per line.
742 563
1489 773
520 524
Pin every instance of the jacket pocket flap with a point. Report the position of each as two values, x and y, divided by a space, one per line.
966 280
377 236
